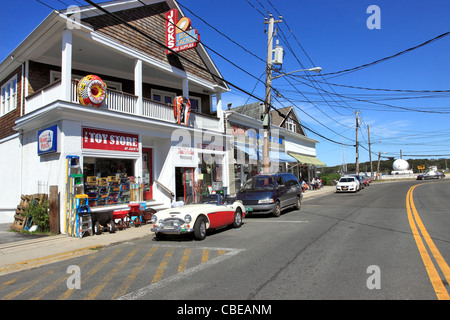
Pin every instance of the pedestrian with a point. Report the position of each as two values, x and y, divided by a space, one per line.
304 185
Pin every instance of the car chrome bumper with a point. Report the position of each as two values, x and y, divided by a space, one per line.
177 230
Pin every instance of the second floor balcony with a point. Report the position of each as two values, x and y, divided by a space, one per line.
117 101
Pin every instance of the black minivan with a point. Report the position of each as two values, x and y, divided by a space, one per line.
270 193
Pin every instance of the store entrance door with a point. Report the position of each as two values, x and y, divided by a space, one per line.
185 182
147 173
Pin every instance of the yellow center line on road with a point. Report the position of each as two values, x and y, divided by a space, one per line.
184 260
132 276
90 273
51 287
14 294
162 266
7 283
205 256
415 222
94 292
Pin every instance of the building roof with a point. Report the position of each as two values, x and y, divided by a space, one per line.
47 35
278 117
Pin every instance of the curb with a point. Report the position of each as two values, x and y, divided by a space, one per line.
57 248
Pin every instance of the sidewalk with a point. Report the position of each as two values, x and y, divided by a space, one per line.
314 193
32 253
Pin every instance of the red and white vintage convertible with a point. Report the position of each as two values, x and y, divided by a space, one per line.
213 213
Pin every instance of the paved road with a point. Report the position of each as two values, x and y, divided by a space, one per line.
339 246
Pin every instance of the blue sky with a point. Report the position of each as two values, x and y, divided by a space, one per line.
334 36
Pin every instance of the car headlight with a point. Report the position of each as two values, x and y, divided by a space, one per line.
265 201
154 219
187 218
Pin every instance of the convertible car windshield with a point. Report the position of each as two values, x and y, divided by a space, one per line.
212 199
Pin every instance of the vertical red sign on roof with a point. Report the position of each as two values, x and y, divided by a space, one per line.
179 34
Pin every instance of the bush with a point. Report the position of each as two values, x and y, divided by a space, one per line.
327 179
39 213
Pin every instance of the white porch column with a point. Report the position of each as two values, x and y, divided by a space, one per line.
186 88
220 112
138 86
66 65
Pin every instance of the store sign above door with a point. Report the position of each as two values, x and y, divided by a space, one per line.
109 140
179 34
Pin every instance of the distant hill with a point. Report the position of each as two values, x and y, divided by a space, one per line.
386 165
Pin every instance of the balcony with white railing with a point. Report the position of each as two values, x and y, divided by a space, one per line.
122 102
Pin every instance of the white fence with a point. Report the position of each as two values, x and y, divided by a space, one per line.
120 102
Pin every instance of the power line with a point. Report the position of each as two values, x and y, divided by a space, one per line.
382 104
189 61
221 33
346 71
255 8
377 89
169 49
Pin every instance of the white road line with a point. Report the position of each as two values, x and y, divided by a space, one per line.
145 290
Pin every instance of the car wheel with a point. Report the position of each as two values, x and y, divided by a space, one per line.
277 210
200 228
97 229
112 227
237 218
298 205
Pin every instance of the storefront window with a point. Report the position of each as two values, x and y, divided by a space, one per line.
244 168
210 176
104 167
108 181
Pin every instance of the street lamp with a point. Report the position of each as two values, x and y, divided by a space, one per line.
266 121
315 69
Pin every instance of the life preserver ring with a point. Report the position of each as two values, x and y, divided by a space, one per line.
91 91
181 109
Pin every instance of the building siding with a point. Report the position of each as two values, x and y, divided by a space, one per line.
7 121
151 20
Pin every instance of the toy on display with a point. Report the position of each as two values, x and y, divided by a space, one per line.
91 91
181 109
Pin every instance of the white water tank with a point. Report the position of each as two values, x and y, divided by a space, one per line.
400 165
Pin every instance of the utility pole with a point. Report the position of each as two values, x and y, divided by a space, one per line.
267 102
357 143
378 168
370 154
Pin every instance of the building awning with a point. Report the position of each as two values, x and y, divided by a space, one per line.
274 155
251 151
279 156
308 160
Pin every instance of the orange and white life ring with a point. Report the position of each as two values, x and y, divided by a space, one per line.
91 91
181 109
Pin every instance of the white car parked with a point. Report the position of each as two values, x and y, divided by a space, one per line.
215 212
347 184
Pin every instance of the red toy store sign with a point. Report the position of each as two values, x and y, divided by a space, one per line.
179 34
110 140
